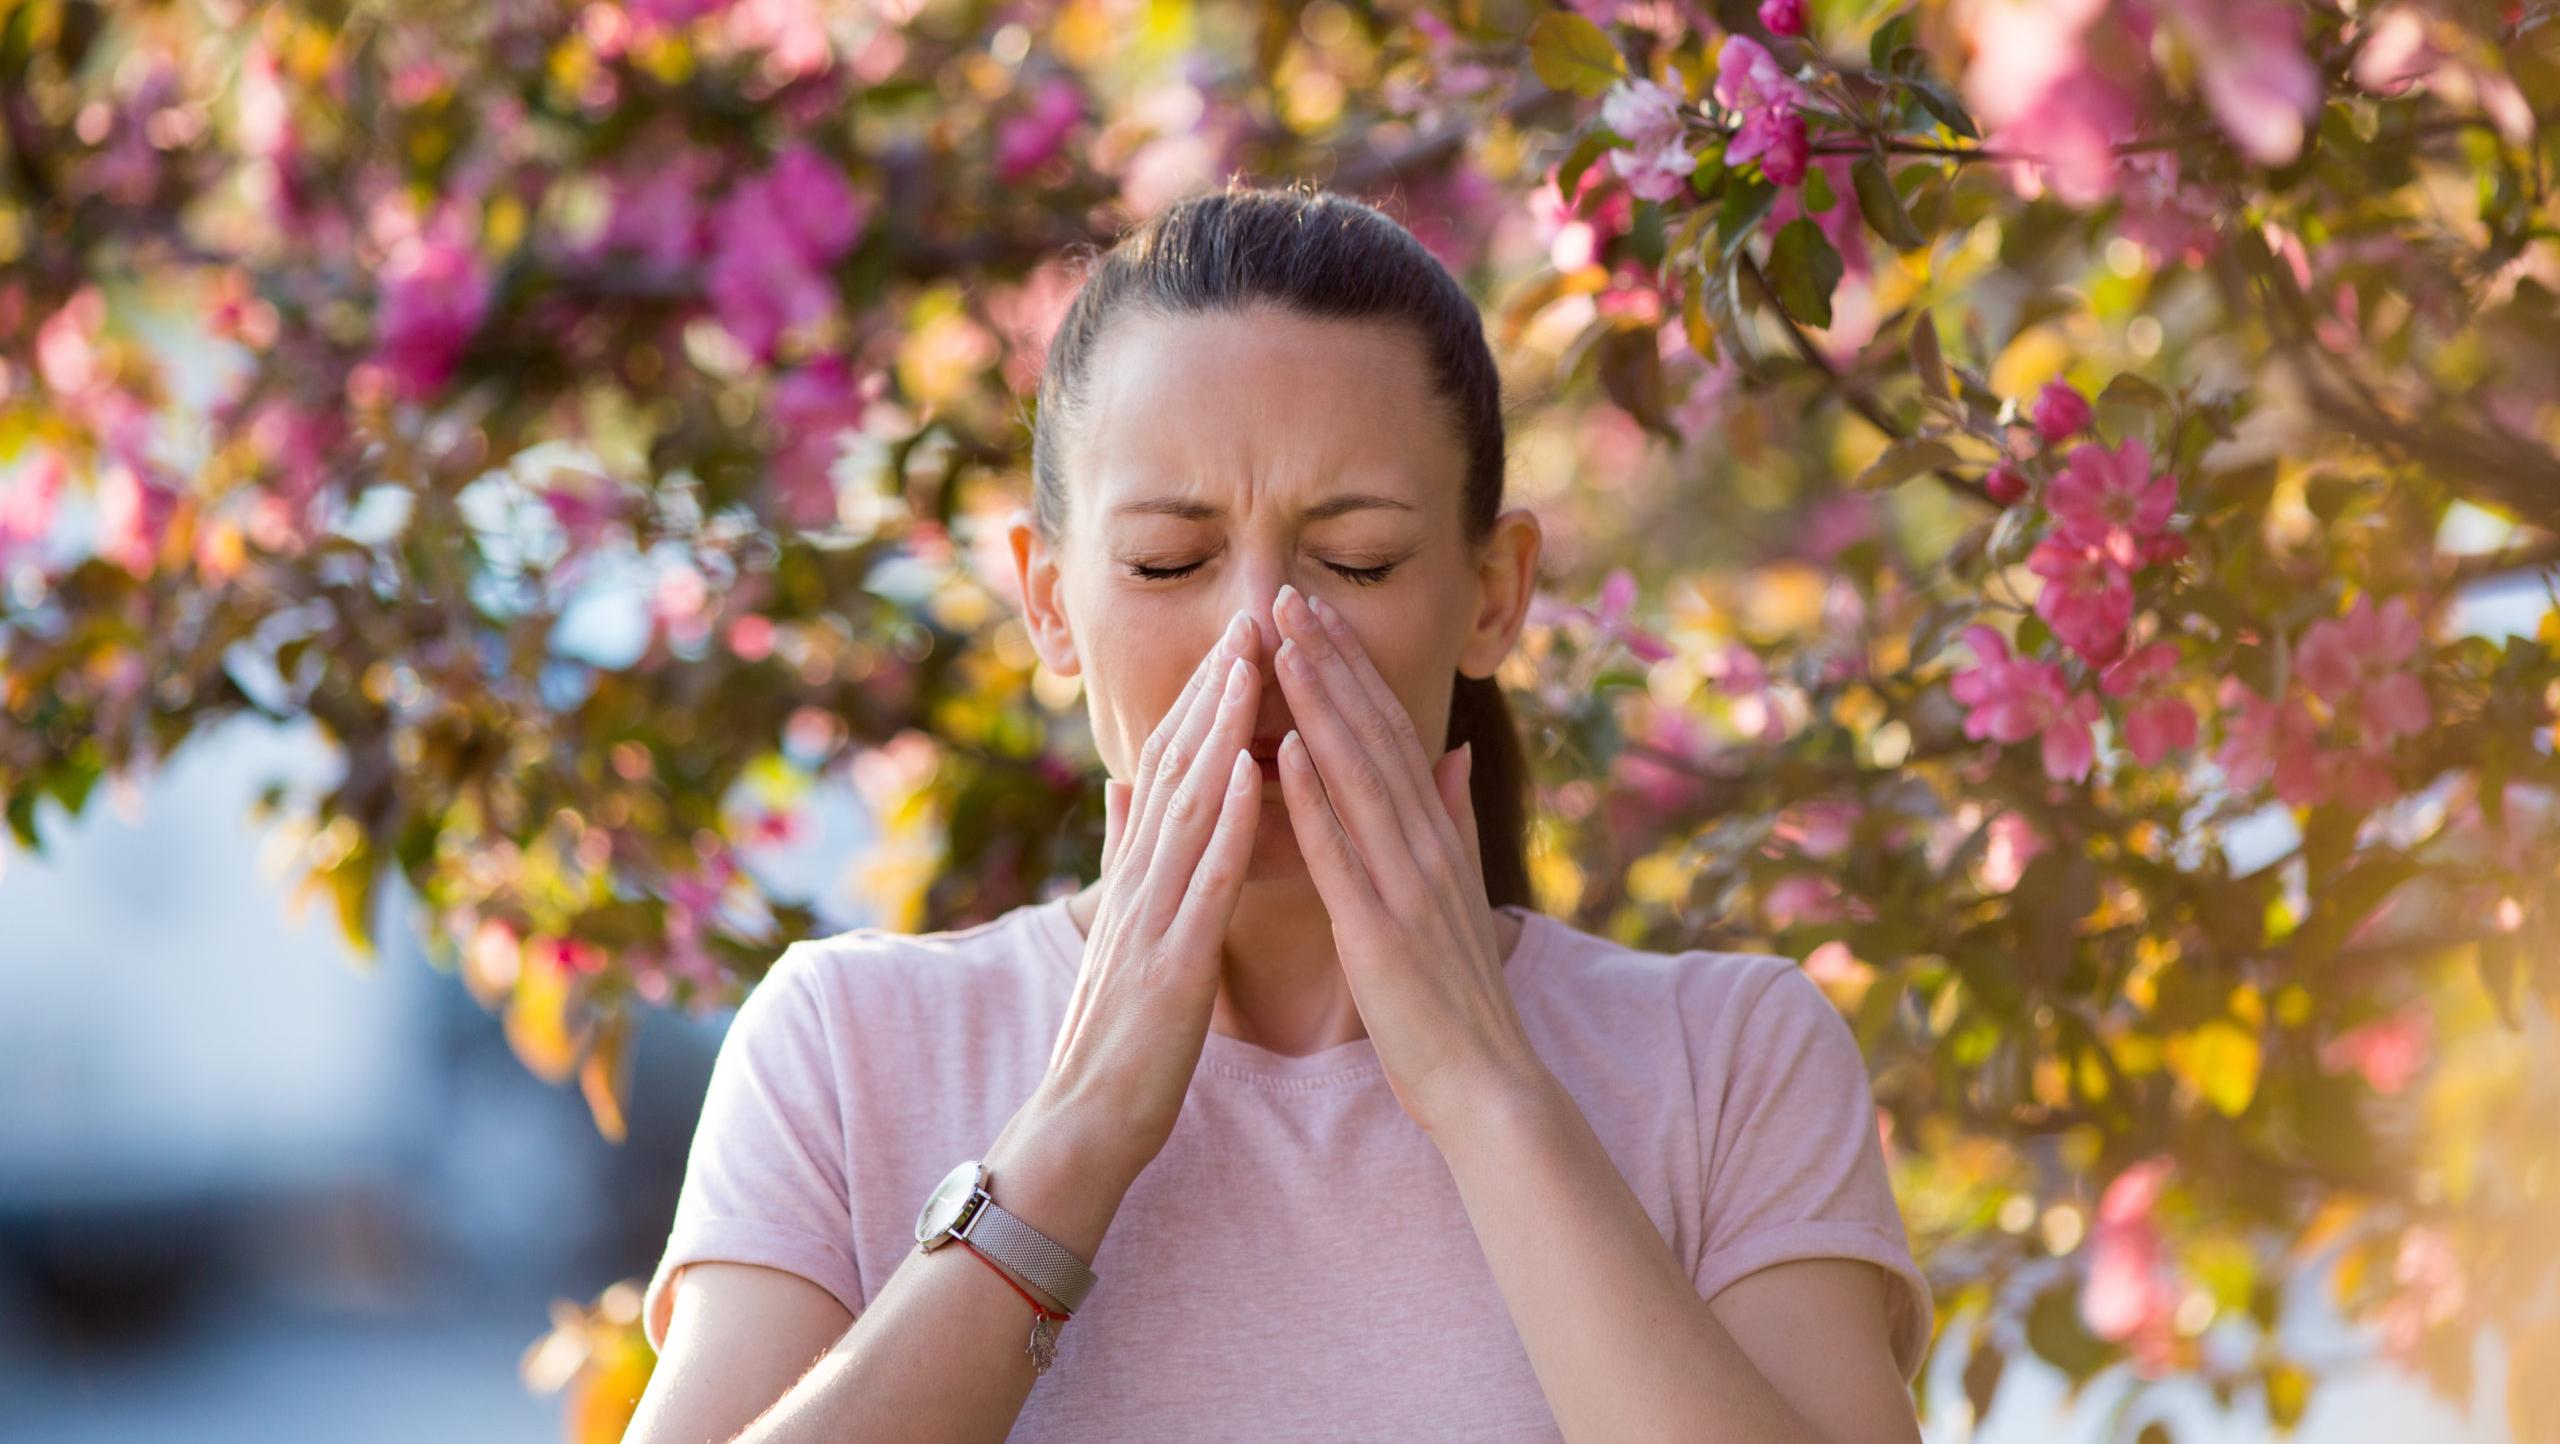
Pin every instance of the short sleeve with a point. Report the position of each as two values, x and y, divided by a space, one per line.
1795 1169
764 1181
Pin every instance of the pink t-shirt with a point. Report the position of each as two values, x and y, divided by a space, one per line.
1295 1263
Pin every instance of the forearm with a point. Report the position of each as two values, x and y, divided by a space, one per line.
1623 1346
940 1353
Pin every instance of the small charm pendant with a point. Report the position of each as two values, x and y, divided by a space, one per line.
1043 1347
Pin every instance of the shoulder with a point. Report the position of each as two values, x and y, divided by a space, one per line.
872 998
1709 987
874 963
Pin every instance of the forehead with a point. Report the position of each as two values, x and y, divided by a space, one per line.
1242 410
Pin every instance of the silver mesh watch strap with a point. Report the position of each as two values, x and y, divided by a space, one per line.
1033 1255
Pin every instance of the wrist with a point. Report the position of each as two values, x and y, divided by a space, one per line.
1052 1169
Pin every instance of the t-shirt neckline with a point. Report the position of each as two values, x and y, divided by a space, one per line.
1235 1058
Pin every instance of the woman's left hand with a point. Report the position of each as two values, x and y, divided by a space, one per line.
1389 835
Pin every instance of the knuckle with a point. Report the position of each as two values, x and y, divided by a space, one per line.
1376 728
1183 805
1369 780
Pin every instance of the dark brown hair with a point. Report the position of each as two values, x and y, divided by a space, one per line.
1310 251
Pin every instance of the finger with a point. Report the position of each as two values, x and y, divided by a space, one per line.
1115 821
1367 795
1175 741
1455 776
1371 685
1209 904
1341 877
1189 811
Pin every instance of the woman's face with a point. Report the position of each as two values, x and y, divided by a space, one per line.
1220 456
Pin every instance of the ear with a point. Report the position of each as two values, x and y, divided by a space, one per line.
1507 579
1041 587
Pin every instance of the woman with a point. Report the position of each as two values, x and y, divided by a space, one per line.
1346 1139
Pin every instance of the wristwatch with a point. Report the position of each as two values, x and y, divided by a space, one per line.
960 1208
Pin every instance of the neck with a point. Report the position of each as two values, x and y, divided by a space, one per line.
1280 983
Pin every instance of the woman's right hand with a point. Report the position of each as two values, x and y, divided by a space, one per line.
1175 845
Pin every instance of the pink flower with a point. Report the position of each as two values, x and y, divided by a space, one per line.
2390 1052
2131 1295
28 499
2261 85
1647 115
2360 665
2111 500
2004 485
435 294
1821 827
2263 739
680 605
1609 617
660 215
2060 410
1654 175
777 234
1802 897
2172 222
2041 96
2012 699
2157 720
2393 51
812 408
1748 77
1027 141
2012 844
1775 136
2087 598
135 506
1783 17
2430 1277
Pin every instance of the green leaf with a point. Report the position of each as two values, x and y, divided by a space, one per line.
1982 1375
2055 1332
2129 388
1570 53
1817 191
1950 112
1803 270
1746 201
1882 205
1891 36
1904 460
1926 362
1585 151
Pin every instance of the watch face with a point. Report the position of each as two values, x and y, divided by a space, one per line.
942 1210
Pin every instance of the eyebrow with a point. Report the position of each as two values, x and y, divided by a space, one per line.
1188 509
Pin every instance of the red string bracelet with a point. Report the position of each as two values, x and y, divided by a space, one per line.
1037 1307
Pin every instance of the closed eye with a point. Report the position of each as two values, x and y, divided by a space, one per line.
1365 576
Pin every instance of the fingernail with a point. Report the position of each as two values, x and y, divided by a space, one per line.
1326 614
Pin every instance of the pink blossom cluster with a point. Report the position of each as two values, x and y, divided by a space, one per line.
1656 161
2131 1294
2110 521
435 292
2362 671
2111 513
775 235
1751 83
2062 87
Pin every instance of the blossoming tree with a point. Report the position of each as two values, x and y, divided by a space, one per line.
2032 485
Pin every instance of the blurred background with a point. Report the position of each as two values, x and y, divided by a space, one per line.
2053 522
